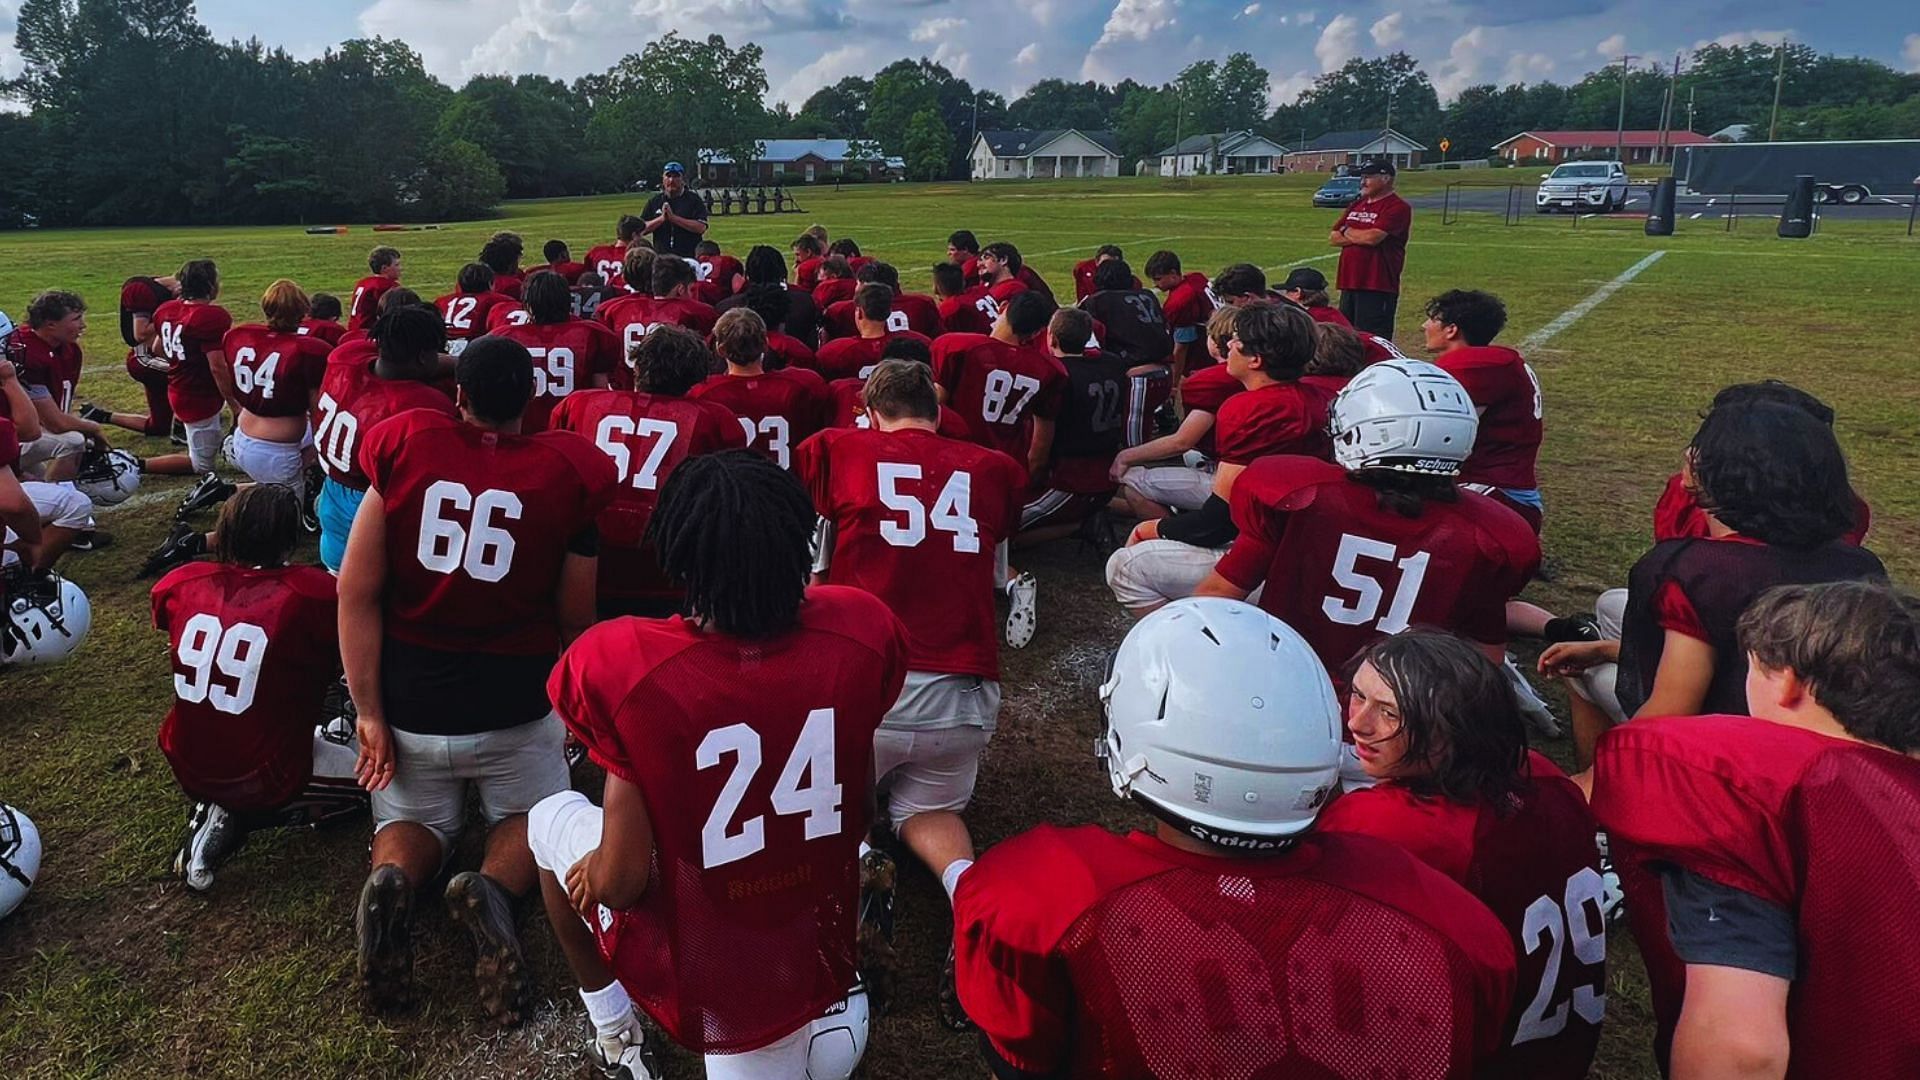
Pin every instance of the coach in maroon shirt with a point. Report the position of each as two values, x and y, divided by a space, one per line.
1372 238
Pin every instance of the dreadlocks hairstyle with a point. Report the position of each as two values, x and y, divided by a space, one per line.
259 526
1462 723
1774 473
502 252
671 360
735 530
475 278
547 297
410 337
285 304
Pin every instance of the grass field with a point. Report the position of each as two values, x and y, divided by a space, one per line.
111 969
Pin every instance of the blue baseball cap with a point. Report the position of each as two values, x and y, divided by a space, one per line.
674 167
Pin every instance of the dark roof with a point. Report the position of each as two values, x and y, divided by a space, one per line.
1629 137
1229 143
1353 140
1022 143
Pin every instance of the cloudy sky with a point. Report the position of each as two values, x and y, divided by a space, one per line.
1006 45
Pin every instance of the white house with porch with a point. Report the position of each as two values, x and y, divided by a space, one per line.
1062 153
1237 152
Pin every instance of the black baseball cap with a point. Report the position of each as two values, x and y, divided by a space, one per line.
1305 278
1375 168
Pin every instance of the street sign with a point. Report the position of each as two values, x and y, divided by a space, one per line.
1446 145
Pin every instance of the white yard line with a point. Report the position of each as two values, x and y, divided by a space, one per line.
1576 312
1089 247
1300 262
1696 216
145 498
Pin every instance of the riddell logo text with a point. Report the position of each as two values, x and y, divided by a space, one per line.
1249 843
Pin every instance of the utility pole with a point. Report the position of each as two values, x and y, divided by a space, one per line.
1389 126
1779 77
1620 127
1666 111
1179 124
1690 92
973 135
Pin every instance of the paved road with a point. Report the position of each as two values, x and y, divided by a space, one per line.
1493 200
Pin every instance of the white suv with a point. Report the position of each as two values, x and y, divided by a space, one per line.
1583 185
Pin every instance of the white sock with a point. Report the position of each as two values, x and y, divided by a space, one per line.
951 876
608 1007
865 849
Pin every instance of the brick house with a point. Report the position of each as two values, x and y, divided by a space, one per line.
1555 147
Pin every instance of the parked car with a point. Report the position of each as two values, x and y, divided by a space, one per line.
1340 191
1583 185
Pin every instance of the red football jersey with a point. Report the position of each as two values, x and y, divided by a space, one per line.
972 312
505 315
791 350
1208 390
254 651
567 356
57 370
806 273
478 526
1536 867
831 291
1507 393
275 374
609 261
365 307
1819 827
718 271
1325 313
1677 515
1084 954
325 329
850 357
1190 304
647 436
509 285
466 316
916 520
756 761
778 410
568 271
848 409
9 444
1282 418
352 400
189 330
911 311
1379 348
998 388
632 316
1344 572
1003 292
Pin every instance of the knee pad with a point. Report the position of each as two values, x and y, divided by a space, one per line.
838 1040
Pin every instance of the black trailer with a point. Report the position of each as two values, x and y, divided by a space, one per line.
1843 172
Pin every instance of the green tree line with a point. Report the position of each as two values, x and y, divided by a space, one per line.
134 114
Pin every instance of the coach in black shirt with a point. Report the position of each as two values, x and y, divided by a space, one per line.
676 218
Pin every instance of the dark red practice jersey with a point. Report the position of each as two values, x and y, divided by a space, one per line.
365 306
275 373
756 762
509 285
1507 394
1084 954
849 410
1375 267
998 388
1379 348
1536 867
1208 390
630 317
567 356
778 410
791 351
1678 515
1818 827
9 445
353 399
831 291
140 296
56 370
1003 292
466 315
189 330
1280 418
1188 306
911 311
718 271
916 518
505 315
646 436
254 651
1344 572
1083 279
806 273
609 261
326 330
569 271
848 357
1327 313
478 526
972 312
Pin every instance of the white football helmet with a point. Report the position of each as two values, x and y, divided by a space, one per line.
1406 416
44 621
1221 721
19 858
109 478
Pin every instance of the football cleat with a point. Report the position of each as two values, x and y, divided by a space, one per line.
177 434
952 1014
310 501
1538 713
91 540
383 932
480 905
1613 899
879 960
212 838
1571 628
184 543
625 1055
210 491
1022 594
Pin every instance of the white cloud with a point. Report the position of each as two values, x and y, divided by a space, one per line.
1910 52
1747 37
1339 42
1390 30
831 67
1527 67
1137 20
937 29
1611 47
1285 90
1462 65
1306 18
1250 10
1028 55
